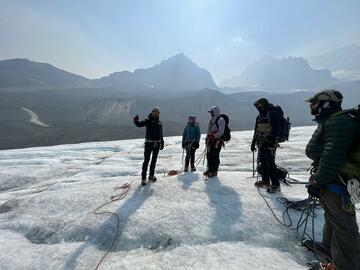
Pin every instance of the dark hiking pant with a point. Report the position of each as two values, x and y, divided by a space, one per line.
213 156
150 147
340 233
190 156
268 166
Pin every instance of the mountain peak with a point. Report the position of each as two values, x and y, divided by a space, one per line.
344 58
180 55
22 72
275 74
179 58
177 73
19 60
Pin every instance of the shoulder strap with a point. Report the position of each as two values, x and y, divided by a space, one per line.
216 121
349 111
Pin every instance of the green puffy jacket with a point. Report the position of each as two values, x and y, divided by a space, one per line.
331 146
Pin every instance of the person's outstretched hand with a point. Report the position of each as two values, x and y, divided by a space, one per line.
136 119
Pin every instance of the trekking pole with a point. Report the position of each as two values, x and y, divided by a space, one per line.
199 158
182 158
253 152
205 154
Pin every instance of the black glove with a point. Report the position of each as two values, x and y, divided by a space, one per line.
136 119
183 145
162 145
253 147
195 145
314 190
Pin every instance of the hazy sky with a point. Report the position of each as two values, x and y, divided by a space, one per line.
95 38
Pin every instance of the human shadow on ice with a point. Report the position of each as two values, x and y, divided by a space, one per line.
188 179
226 202
107 230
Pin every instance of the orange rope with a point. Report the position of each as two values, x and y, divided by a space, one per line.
125 188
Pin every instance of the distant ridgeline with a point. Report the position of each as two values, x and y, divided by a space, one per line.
74 109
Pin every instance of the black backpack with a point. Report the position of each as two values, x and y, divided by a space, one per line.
226 136
352 165
285 124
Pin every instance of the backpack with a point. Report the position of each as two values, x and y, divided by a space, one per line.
226 136
285 124
281 172
352 166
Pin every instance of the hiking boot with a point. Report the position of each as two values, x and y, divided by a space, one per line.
186 169
262 184
273 189
143 181
152 178
193 169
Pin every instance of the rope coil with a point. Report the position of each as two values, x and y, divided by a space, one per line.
125 188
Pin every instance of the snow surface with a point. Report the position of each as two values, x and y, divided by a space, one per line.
48 194
34 118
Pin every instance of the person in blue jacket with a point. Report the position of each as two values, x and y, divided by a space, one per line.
190 142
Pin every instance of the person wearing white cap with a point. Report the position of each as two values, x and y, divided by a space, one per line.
154 142
214 141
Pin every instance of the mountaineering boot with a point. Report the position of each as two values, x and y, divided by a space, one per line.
143 181
186 169
193 169
320 249
262 184
273 189
315 265
152 178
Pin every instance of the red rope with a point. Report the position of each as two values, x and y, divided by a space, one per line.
125 188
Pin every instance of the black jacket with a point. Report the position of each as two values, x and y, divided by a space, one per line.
331 148
153 128
274 119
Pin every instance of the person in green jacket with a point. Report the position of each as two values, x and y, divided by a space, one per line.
190 142
336 135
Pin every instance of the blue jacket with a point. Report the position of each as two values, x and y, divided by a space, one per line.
191 133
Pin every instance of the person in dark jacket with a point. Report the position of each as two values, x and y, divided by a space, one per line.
190 142
214 142
336 135
267 130
153 142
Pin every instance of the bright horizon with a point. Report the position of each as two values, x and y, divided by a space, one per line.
95 39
